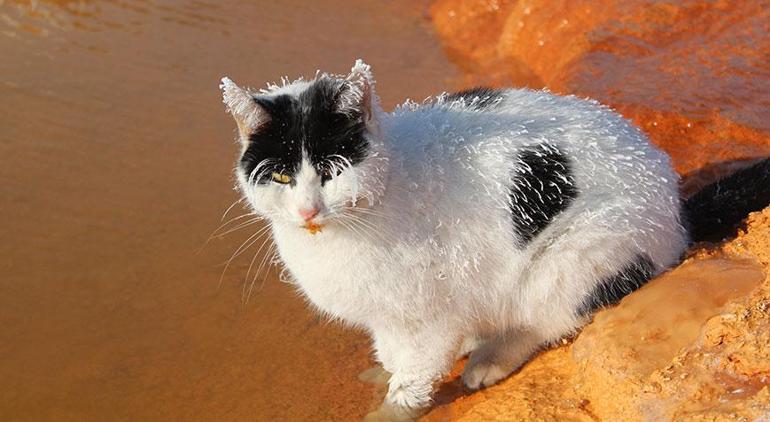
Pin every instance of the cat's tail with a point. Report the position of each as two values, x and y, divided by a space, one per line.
715 210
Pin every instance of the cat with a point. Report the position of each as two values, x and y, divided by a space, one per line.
488 222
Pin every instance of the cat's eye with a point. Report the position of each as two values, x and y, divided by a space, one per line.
281 178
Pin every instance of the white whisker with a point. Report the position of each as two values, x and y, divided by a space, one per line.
231 207
244 246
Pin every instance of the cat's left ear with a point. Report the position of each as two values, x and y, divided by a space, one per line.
247 112
360 95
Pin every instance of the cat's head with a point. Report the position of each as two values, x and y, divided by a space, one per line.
310 150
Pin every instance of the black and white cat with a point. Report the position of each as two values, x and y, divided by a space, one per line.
489 222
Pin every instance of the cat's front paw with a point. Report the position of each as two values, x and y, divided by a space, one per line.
408 398
483 374
390 412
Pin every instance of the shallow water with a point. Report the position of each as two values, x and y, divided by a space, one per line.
115 166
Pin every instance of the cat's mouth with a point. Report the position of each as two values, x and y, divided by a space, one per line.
312 227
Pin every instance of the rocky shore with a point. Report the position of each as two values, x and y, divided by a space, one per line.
694 343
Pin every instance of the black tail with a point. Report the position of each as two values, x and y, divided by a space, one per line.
715 210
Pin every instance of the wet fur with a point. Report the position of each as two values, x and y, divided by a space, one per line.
490 220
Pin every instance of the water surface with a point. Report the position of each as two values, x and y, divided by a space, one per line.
115 166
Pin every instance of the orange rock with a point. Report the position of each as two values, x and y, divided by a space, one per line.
693 75
694 343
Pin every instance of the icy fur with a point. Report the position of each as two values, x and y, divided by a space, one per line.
431 265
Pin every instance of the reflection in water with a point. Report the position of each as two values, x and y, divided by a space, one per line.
115 158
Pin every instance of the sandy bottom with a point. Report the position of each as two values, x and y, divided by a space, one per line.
115 166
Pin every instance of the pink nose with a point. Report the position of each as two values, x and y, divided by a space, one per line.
308 214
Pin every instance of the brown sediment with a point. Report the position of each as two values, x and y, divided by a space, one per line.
115 166
694 343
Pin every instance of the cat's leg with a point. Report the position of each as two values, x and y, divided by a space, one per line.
417 359
468 345
499 357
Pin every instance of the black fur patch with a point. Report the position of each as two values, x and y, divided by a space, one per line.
312 121
480 97
611 290
542 187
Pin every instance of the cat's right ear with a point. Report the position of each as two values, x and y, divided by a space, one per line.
248 114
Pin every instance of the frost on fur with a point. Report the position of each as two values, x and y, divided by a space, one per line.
240 103
491 215
359 95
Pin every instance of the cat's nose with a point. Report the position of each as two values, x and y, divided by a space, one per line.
309 213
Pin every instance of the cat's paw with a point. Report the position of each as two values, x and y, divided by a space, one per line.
408 398
498 358
483 374
468 345
390 412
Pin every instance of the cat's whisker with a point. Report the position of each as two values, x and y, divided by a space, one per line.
215 234
231 207
345 222
244 246
266 258
364 209
236 228
362 221
345 162
372 232
369 212
352 228
379 235
267 263
256 254
234 219
245 280
259 170
248 285
241 226
366 217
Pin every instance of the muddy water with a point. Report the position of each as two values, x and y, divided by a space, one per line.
115 158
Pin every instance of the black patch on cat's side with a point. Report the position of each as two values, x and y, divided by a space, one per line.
311 121
542 187
480 97
610 290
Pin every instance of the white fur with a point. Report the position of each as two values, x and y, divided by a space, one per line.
430 260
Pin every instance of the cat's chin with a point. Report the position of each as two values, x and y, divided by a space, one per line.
312 227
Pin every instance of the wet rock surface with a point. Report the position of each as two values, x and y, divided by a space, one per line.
694 343
693 75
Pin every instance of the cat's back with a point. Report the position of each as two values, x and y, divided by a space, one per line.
482 149
480 134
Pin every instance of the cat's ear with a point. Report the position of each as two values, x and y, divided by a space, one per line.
248 114
359 94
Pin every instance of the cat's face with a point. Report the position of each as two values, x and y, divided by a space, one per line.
308 148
